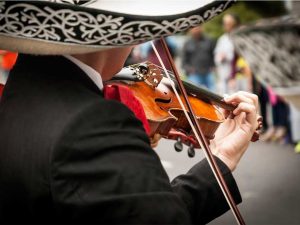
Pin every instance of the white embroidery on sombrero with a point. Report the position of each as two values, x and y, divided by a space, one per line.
68 26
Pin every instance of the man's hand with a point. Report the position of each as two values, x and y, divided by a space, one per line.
154 140
233 136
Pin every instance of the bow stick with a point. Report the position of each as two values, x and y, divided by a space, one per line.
197 130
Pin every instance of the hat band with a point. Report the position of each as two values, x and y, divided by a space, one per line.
82 26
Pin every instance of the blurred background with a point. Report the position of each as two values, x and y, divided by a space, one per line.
268 175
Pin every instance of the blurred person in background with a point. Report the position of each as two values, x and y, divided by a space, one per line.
198 59
224 52
241 79
278 131
150 55
295 129
145 52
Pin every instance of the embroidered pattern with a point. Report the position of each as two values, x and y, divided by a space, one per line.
273 56
271 48
79 27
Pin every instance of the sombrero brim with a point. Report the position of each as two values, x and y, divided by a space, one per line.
272 49
43 27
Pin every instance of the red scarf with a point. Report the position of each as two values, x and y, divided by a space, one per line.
1 89
125 95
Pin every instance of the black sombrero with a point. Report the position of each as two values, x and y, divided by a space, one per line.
272 49
74 26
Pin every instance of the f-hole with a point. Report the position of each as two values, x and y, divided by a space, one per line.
163 100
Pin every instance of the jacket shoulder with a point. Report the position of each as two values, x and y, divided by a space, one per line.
103 162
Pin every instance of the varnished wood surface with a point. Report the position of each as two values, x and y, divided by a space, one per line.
163 110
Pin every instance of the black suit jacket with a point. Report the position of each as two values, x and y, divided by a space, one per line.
67 155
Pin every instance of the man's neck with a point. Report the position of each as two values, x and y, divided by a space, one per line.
105 62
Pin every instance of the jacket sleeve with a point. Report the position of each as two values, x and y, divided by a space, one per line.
201 193
104 170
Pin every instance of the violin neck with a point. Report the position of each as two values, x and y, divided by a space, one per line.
207 96
203 93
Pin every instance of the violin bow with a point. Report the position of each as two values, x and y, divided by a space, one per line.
197 129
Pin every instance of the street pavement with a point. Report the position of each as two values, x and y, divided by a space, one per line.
268 177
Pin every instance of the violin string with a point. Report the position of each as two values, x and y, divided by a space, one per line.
197 136
174 88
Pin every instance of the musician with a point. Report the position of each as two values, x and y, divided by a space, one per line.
68 155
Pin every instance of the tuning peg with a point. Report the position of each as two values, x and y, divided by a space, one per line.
178 145
143 68
191 151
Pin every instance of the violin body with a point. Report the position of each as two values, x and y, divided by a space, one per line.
163 110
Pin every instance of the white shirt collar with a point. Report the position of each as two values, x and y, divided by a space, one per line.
90 72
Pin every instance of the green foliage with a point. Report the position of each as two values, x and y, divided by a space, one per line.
248 11
267 8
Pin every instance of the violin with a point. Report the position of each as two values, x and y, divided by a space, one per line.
165 116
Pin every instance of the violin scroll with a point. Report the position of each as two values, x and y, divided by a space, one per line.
256 134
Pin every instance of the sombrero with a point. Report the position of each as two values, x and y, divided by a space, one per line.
74 26
271 47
